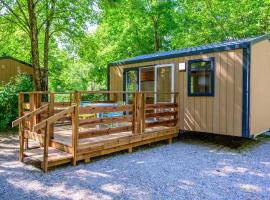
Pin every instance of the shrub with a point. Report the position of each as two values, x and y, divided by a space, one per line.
9 98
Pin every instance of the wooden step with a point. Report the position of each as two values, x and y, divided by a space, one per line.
55 156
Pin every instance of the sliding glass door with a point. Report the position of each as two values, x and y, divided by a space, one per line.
158 79
164 82
131 83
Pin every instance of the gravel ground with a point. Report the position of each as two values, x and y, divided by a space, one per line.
182 170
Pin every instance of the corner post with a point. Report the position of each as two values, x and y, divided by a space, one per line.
51 113
138 113
21 126
46 147
75 127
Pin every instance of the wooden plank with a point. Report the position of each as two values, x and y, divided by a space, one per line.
46 147
75 133
106 120
53 118
21 126
104 109
197 114
238 90
204 113
103 131
160 105
223 92
161 114
54 155
161 123
180 84
230 93
124 147
216 108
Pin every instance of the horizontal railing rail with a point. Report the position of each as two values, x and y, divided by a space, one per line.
30 114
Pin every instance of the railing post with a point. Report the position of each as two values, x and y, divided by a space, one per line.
77 98
51 113
46 147
21 126
138 113
75 127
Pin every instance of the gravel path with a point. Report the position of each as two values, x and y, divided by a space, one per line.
182 170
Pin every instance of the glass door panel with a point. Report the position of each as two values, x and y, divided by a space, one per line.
147 83
131 84
164 83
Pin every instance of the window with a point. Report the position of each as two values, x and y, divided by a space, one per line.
201 77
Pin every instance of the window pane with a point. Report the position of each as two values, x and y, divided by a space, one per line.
201 65
200 75
200 82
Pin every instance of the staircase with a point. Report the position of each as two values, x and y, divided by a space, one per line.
50 152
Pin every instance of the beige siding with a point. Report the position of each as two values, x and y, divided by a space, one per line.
116 79
221 114
10 68
260 82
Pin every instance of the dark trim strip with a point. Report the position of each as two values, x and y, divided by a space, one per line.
108 77
246 93
15 59
191 51
212 92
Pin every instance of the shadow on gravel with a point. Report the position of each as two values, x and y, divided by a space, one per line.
223 142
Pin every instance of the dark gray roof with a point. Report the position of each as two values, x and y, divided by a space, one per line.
221 46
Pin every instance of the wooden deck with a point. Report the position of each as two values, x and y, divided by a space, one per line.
69 132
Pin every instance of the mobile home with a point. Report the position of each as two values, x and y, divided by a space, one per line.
10 67
222 86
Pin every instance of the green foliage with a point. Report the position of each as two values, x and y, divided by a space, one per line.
125 28
9 98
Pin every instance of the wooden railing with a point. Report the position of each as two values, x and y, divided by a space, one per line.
43 111
26 124
45 124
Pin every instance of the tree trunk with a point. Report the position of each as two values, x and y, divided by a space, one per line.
46 57
34 44
46 44
156 36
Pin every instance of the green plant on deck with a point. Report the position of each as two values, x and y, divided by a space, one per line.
9 98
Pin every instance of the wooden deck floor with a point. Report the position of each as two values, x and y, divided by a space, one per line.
100 145
63 135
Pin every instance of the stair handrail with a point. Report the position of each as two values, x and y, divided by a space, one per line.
53 118
46 124
30 114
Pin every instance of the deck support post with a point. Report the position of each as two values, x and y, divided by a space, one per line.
170 141
138 113
21 126
75 127
51 113
46 147
87 160
130 150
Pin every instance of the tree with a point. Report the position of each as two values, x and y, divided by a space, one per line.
40 20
